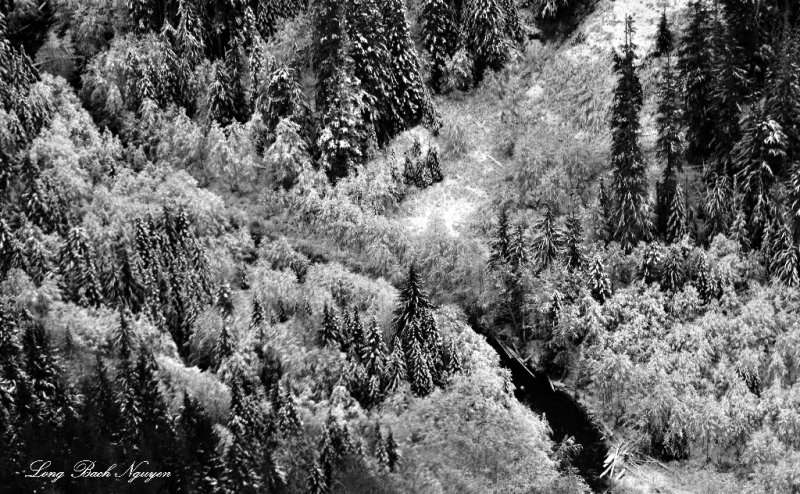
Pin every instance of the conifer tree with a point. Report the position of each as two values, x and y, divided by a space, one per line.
225 345
672 276
282 98
329 332
287 420
257 316
381 452
393 452
419 369
484 25
630 216
677 227
78 269
549 240
759 156
669 150
439 35
201 467
573 250
315 482
373 352
414 306
329 49
519 254
605 206
664 41
395 368
782 101
101 409
694 67
727 95
651 263
599 283
785 261
372 66
345 134
500 243
408 89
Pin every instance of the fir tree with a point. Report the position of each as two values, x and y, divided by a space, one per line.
669 150
201 467
519 254
414 305
484 25
282 315
282 98
257 316
393 452
573 250
651 263
727 94
225 345
373 352
599 283
395 368
78 269
408 89
330 331
630 216
548 242
782 101
316 482
286 419
605 206
695 72
664 42
439 35
372 66
419 369
381 452
500 243
785 261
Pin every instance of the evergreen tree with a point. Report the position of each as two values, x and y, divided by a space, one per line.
549 240
573 250
518 253
782 101
393 452
500 253
785 262
257 316
395 368
414 305
605 206
759 156
599 283
484 27
630 216
329 50
419 369
225 345
677 226
78 270
228 100
345 134
315 482
282 98
372 66
727 95
672 276
408 90
287 421
201 463
439 35
651 263
330 332
669 150
373 352
381 452
664 41
695 71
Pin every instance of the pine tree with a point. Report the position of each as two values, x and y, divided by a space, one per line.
782 101
519 254
651 263
225 346
664 41
372 66
672 276
759 156
408 89
282 98
694 67
599 283
554 311
330 39
381 452
287 420
395 368
345 134
439 35
78 270
414 305
630 216
330 332
549 240
785 262
393 452
727 94
419 369
201 467
669 150
316 482
373 352
484 25
257 316
500 254
573 250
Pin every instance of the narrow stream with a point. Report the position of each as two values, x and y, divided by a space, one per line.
566 416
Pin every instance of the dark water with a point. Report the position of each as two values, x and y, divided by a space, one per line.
566 416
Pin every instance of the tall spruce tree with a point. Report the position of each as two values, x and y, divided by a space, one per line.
694 67
631 212
485 32
439 36
599 283
549 240
664 41
575 258
669 150
408 90
500 242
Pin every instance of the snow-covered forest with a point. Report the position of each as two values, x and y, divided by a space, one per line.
399 246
